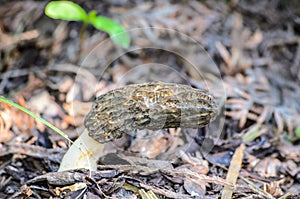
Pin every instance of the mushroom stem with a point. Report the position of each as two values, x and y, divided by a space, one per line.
84 157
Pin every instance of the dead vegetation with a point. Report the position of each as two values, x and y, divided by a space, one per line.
256 46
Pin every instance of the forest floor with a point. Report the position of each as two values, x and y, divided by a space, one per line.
246 53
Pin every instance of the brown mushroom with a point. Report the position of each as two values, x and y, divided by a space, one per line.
152 106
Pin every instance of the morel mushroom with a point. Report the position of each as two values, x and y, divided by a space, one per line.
151 106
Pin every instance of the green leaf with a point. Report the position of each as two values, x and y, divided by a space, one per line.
297 132
117 33
54 128
252 133
65 10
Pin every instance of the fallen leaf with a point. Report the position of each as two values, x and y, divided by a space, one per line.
233 172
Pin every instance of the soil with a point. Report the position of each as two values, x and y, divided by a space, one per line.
245 53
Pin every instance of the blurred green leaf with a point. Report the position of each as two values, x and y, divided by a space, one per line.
253 132
297 132
117 33
92 15
147 195
65 10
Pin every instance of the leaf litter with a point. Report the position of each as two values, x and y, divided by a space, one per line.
256 51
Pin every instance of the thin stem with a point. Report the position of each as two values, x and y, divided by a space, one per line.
82 36
37 118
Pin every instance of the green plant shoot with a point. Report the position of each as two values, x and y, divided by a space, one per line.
297 132
69 11
55 129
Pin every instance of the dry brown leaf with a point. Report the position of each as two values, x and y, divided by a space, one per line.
152 147
44 103
233 172
76 112
6 122
23 121
10 40
254 40
279 121
195 164
33 85
274 188
225 55
196 188
268 167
